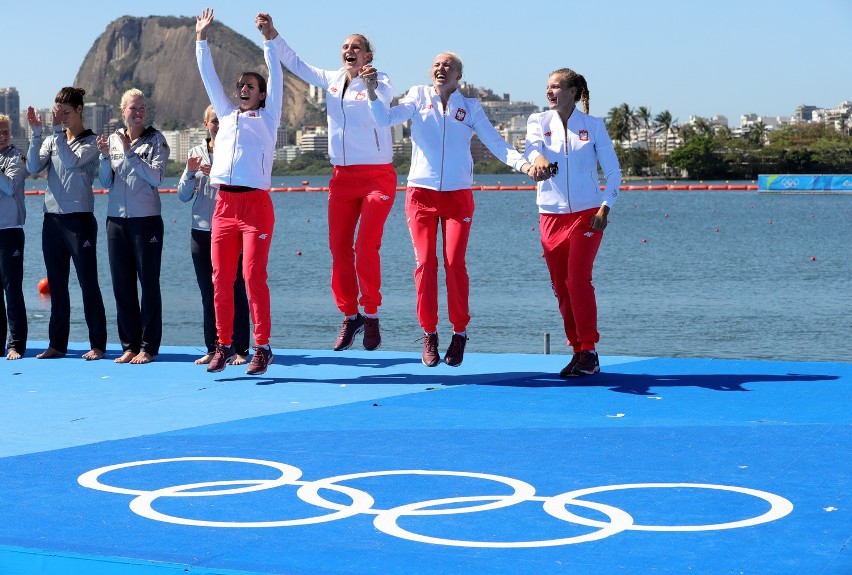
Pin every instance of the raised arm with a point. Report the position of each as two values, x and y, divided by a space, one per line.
212 85
275 85
310 74
37 153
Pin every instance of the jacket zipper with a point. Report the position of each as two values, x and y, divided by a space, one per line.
567 188
343 112
234 151
378 145
443 142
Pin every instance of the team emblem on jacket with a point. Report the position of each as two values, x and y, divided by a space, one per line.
360 96
548 134
460 114
584 135
333 90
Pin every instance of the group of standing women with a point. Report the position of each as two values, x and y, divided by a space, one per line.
131 163
233 219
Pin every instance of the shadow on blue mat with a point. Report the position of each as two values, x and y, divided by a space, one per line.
634 384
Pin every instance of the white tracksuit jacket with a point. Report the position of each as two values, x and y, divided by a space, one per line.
245 143
575 188
440 139
354 138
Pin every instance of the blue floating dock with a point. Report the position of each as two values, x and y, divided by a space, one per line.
371 463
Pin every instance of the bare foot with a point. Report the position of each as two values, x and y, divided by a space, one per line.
93 355
204 359
239 360
50 353
142 357
126 357
13 354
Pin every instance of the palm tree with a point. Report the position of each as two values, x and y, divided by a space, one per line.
643 119
617 125
664 123
629 116
757 134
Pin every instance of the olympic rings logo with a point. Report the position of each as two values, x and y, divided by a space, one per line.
790 183
387 520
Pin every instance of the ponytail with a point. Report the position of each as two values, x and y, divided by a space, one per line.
572 79
583 88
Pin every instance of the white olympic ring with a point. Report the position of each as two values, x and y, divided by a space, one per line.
386 520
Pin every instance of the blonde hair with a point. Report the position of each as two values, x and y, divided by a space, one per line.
208 111
456 59
4 119
128 95
570 79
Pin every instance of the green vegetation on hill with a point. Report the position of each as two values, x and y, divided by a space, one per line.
713 152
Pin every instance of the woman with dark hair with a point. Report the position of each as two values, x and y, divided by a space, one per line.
362 189
573 210
70 231
13 215
195 186
244 218
133 165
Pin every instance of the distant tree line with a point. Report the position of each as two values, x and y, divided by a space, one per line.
712 152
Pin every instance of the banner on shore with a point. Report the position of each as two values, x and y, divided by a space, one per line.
805 182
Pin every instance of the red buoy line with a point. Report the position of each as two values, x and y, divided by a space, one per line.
661 187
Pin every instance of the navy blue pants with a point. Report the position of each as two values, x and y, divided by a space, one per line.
135 248
13 310
66 238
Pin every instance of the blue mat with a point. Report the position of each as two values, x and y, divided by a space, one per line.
366 463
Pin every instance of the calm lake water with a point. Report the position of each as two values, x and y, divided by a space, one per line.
724 274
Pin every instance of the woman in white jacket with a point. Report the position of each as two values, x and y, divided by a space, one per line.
362 189
566 146
195 186
439 194
242 171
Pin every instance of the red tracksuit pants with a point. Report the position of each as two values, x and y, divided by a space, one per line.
425 210
570 246
242 223
358 196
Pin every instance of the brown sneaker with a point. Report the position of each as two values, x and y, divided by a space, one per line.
455 353
260 360
587 364
568 370
430 355
348 330
221 357
372 336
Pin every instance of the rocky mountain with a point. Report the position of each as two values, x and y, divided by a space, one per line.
157 55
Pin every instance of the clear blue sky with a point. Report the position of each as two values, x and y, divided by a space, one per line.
691 57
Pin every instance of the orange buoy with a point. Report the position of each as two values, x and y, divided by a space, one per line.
43 287
298 253
305 182
813 258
